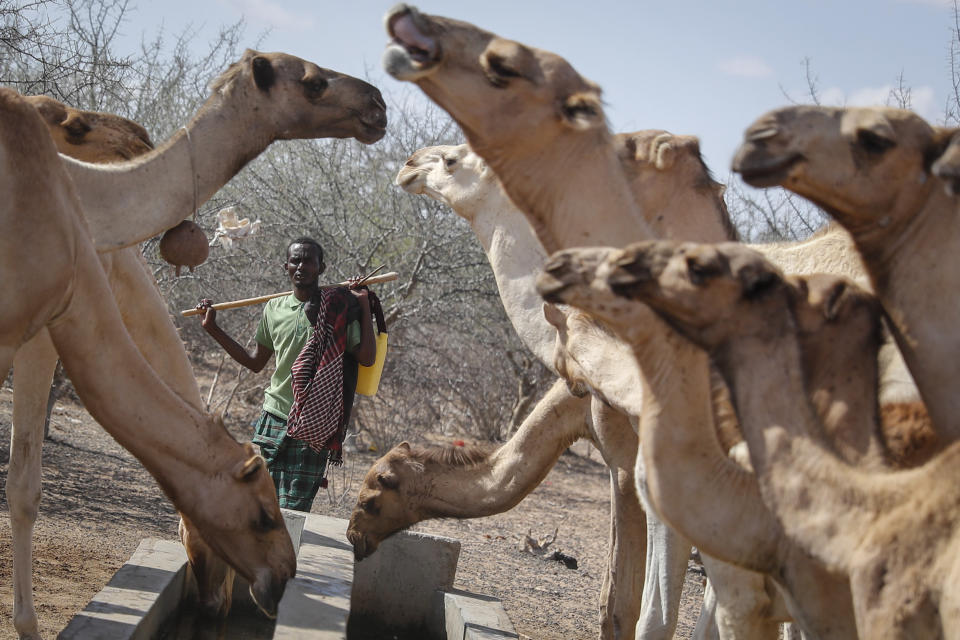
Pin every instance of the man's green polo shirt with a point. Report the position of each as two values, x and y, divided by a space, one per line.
285 329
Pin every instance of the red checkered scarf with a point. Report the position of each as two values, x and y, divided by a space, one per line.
316 415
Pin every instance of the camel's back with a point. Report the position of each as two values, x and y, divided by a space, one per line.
830 251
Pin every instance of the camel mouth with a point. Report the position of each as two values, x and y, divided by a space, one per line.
411 52
551 289
372 131
759 168
407 180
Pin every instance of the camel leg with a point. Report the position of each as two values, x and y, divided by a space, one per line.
620 598
706 628
623 584
34 364
743 604
667 555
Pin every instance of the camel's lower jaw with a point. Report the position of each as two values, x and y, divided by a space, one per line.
398 62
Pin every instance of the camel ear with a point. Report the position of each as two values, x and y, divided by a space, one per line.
834 300
404 446
263 74
76 125
388 480
246 469
583 111
756 279
947 164
504 60
553 314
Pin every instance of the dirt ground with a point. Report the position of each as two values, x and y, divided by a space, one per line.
98 503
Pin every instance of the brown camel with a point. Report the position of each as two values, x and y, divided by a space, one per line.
220 484
780 341
871 169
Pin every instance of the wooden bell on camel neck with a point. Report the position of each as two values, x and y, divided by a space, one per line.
185 245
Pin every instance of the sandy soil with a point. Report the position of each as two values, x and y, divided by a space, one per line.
98 503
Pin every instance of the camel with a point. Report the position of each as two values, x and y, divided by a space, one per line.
302 109
540 127
103 138
655 159
262 98
780 342
220 484
872 170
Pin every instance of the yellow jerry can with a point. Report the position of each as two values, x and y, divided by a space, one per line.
368 378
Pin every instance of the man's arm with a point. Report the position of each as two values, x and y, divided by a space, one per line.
255 362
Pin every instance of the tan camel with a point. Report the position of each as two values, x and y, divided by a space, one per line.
780 341
456 176
103 138
218 483
691 481
537 123
302 107
870 168
261 98
540 127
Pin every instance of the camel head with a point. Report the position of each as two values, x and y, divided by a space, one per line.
383 505
91 136
403 488
236 511
698 288
503 94
294 98
869 167
453 175
667 173
587 317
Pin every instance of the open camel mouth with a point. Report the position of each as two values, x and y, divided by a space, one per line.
759 168
411 51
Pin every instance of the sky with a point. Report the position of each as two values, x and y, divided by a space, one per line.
702 67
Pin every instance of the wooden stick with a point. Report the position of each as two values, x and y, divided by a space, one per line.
246 302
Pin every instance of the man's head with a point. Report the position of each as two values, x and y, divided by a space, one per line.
304 262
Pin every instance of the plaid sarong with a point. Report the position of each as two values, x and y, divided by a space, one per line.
317 414
297 470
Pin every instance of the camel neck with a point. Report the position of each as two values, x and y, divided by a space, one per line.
573 192
513 470
780 427
689 476
923 322
131 201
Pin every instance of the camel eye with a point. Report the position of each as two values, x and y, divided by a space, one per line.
873 143
702 271
449 162
266 522
498 73
370 507
314 87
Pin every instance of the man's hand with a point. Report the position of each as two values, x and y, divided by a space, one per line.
210 317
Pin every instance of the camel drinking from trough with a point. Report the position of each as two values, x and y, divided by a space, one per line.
292 91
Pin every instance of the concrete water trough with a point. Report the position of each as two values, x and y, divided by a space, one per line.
403 591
